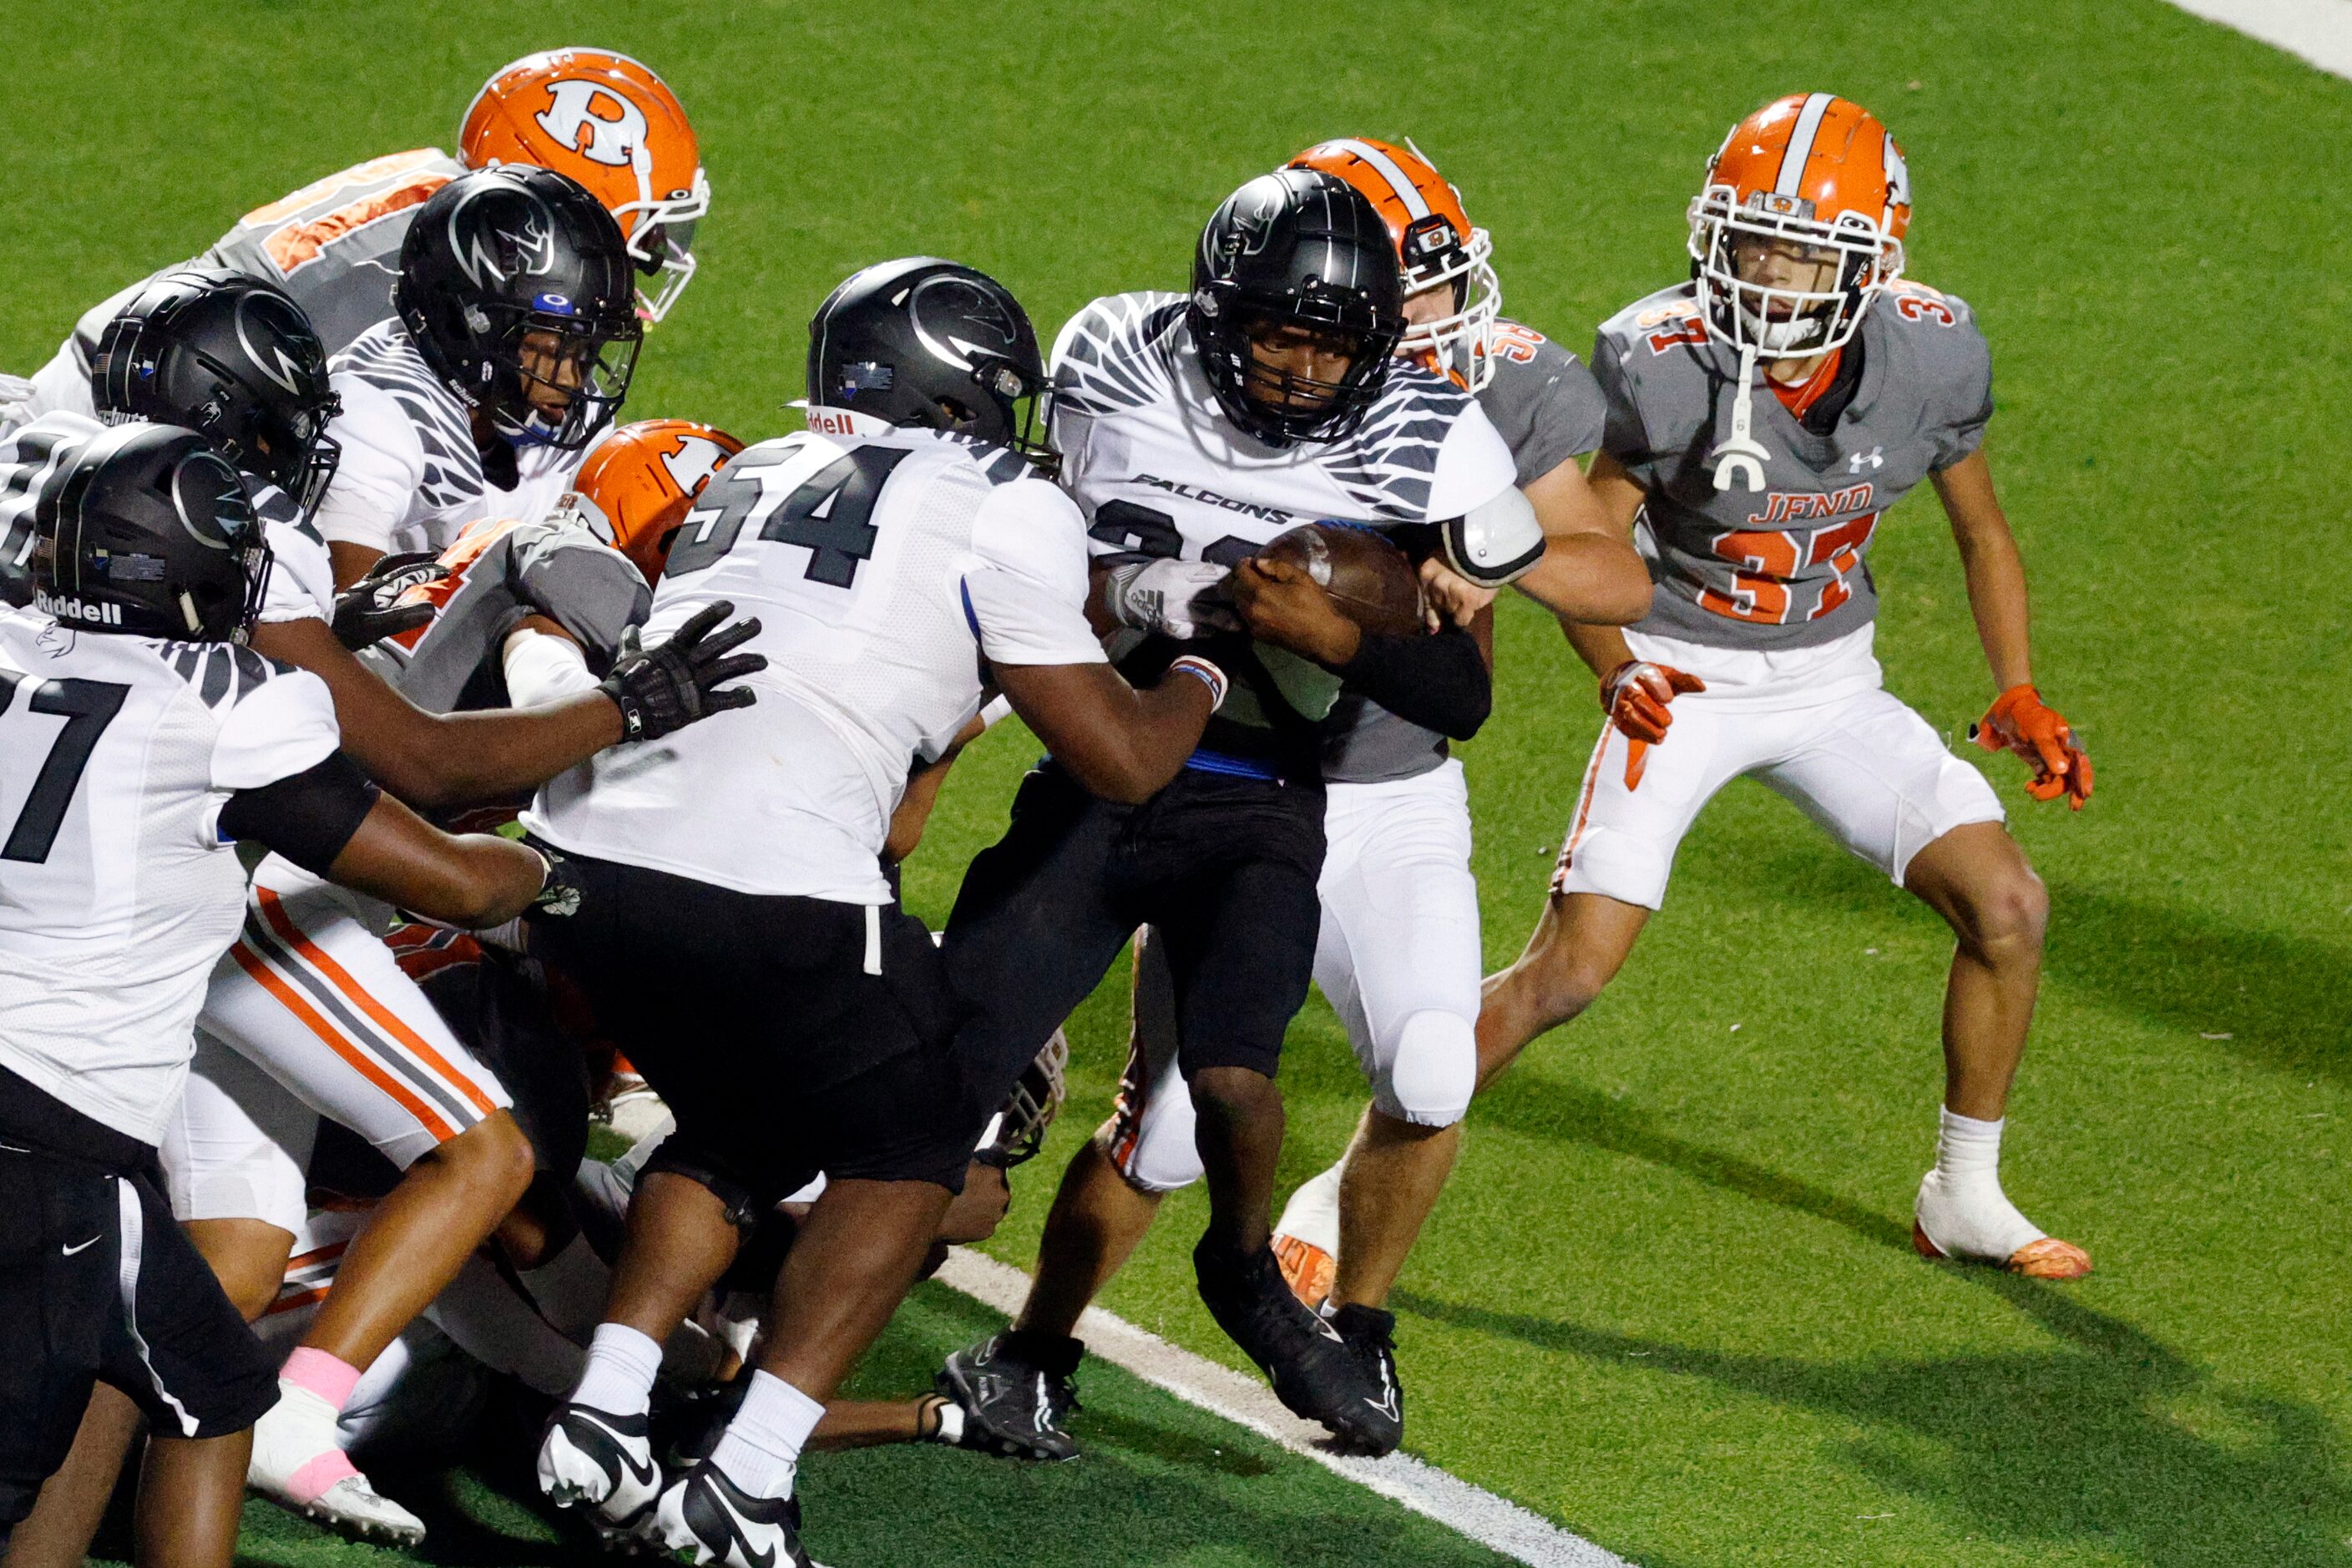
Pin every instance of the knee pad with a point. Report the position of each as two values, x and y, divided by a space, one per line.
1431 1072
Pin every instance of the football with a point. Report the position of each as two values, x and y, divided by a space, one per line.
1366 576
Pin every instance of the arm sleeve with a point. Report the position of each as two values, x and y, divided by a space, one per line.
582 584
1025 590
382 467
307 817
1439 682
61 387
301 579
541 669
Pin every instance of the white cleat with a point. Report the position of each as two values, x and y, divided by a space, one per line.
594 1457
297 1465
707 1518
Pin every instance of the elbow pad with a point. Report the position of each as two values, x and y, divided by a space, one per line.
1495 542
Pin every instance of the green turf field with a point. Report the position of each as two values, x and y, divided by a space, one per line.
1669 1300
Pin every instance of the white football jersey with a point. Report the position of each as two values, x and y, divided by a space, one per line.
883 564
411 476
116 892
301 583
1159 470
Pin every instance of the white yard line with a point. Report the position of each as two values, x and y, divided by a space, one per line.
2320 31
1492 1522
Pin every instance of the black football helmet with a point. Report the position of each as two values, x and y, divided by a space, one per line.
235 360
148 529
516 285
929 342
1302 250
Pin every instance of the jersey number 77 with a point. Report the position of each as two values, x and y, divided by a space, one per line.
88 707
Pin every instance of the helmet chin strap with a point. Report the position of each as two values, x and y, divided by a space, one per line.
1741 453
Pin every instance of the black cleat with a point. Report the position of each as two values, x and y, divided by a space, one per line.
1370 1337
1314 1372
713 1521
1017 1391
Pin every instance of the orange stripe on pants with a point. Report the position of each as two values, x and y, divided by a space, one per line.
274 912
253 965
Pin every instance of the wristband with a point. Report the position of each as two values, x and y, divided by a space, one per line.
1207 674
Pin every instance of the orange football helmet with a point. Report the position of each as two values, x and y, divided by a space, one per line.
637 485
1436 243
1816 171
610 124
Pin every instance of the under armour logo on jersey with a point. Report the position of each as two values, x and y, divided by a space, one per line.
691 466
1875 458
572 114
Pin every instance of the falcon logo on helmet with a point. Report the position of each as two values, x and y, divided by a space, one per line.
610 124
1438 246
232 358
1799 228
147 530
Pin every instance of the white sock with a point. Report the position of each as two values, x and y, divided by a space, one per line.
1961 1205
570 1288
1312 1215
619 1376
762 1447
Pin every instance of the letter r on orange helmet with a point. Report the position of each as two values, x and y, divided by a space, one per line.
1812 170
1436 243
609 122
637 485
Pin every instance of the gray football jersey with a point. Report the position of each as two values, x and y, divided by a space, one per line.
1785 566
498 573
1550 411
335 246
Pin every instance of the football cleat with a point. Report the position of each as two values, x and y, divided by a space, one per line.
2048 1259
1370 1336
1977 1225
713 1521
1313 1371
1307 1268
594 1457
1016 1391
297 1465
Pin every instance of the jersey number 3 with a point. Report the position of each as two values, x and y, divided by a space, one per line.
88 707
828 514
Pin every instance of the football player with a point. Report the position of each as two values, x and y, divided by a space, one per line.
145 740
511 351
889 550
529 614
603 119
1762 418
1399 952
1195 430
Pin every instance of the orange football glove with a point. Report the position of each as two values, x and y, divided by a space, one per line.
2020 721
1634 695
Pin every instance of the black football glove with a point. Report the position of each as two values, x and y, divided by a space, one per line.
663 689
370 610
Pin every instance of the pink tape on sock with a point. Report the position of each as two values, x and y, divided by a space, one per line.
332 1378
315 1475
